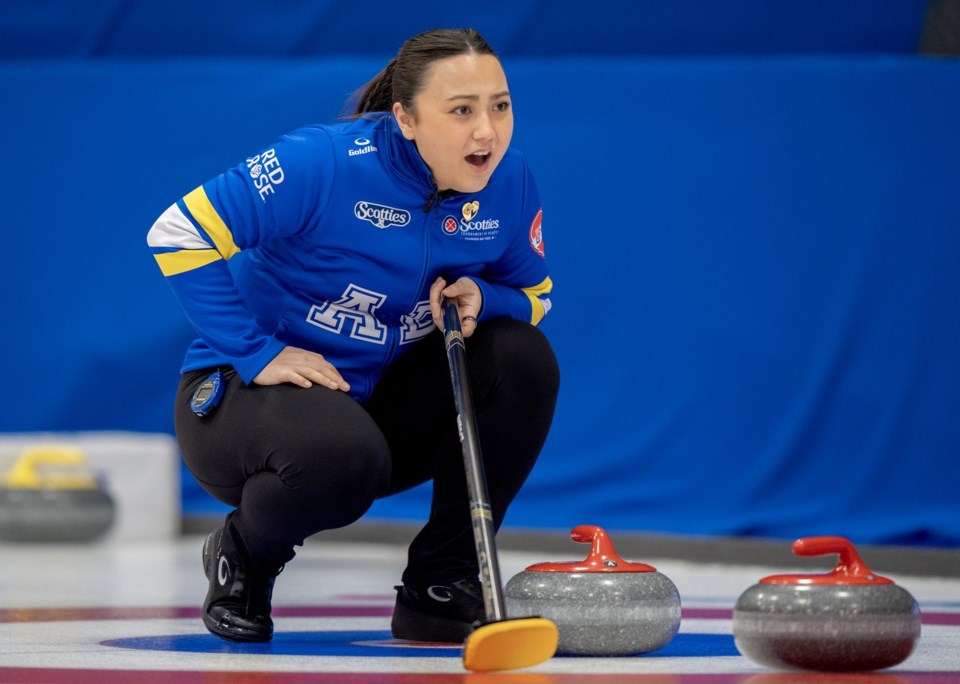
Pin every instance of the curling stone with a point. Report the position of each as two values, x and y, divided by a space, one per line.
64 506
844 621
602 605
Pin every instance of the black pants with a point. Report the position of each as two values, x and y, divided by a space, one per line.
295 461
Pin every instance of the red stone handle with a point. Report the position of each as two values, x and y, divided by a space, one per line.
602 557
850 567
849 564
601 547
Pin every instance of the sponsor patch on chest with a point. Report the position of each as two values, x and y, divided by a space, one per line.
381 215
470 227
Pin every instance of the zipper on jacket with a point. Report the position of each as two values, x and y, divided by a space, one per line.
435 198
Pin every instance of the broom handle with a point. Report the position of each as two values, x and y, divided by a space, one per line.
481 515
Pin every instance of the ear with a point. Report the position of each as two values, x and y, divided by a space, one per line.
405 120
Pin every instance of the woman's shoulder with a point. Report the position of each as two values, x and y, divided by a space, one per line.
513 169
513 182
339 129
514 162
361 126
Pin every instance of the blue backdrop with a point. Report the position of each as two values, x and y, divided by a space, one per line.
755 252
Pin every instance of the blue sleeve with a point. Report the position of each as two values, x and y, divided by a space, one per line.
211 303
278 192
518 285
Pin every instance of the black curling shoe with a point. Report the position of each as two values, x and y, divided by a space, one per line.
438 612
237 606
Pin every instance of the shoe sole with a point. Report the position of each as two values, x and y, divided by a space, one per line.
233 633
412 625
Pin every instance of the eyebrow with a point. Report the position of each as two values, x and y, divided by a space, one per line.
502 93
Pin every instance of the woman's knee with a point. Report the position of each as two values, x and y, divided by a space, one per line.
323 479
519 353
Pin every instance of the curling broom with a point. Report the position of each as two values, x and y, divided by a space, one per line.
499 643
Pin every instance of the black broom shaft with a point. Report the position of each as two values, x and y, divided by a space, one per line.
481 515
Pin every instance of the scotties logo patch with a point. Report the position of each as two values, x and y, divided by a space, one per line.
381 215
471 228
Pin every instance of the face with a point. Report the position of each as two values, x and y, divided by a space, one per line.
462 121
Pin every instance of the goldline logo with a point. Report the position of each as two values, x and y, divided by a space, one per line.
364 145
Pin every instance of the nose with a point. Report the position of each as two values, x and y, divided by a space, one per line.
484 129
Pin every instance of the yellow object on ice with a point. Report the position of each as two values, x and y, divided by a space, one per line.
25 473
510 645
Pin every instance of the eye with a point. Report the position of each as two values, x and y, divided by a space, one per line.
501 106
462 110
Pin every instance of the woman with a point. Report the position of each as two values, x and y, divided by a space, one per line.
318 382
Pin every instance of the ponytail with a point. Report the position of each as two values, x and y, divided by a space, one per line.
377 95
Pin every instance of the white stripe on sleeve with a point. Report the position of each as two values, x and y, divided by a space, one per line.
174 230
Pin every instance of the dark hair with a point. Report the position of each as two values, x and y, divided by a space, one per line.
402 78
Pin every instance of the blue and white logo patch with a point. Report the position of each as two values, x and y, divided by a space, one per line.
381 215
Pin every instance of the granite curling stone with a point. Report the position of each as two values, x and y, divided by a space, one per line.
603 605
847 620
46 497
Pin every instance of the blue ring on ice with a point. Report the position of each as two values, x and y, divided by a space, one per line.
372 644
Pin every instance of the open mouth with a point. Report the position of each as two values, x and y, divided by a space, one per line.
478 159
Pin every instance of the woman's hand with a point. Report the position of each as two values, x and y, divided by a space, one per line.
303 368
468 297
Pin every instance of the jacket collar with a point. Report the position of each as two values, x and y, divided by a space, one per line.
404 156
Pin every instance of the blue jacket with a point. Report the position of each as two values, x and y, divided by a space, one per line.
329 241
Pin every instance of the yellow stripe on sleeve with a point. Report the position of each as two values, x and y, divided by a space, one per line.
533 293
199 205
172 263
